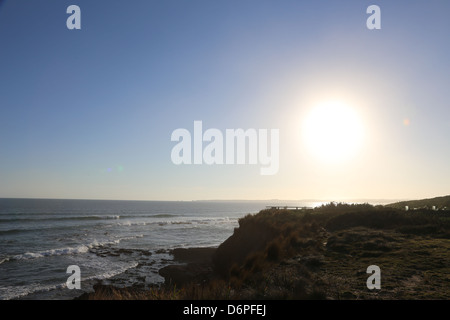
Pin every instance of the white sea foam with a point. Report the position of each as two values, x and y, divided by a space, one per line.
114 272
69 250
52 252
112 217
15 292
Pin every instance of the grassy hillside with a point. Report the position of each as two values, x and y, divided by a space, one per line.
438 202
282 254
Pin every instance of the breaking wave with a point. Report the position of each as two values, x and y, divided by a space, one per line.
66 251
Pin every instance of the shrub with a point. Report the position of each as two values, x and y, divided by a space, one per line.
273 251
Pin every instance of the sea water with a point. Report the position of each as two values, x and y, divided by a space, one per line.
118 242
123 243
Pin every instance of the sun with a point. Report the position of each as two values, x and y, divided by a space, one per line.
333 132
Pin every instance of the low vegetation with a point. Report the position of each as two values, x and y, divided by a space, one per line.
439 203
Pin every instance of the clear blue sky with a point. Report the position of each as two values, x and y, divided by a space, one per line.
89 113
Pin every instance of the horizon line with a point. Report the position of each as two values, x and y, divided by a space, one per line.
227 200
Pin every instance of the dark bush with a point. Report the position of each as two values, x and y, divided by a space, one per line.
274 251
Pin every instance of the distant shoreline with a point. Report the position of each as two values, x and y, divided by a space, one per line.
269 201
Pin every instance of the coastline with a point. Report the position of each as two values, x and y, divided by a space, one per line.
294 255
189 265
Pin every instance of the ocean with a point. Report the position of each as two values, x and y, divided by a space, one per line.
118 242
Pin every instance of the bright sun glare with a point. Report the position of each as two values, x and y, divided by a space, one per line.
333 132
